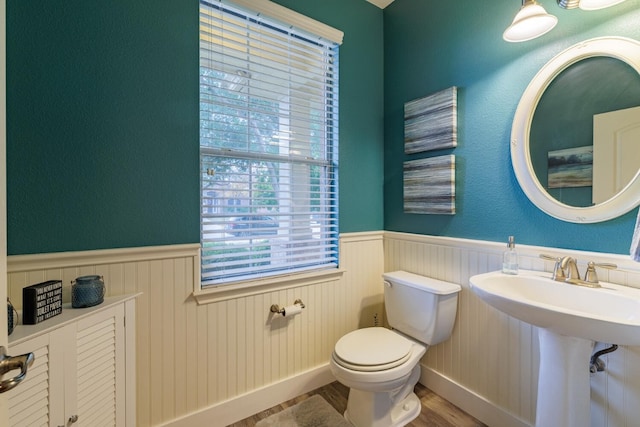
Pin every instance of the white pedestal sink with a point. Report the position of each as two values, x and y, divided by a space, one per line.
571 318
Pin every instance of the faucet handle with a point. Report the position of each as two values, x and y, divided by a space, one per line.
591 276
558 271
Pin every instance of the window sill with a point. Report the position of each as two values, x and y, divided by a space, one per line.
254 287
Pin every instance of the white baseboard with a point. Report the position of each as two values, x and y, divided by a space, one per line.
470 402
243 406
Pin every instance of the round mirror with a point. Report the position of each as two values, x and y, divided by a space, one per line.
575 139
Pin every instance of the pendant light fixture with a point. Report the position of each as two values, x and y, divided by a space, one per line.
530 22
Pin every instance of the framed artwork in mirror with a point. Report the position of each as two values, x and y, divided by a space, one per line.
430 185
431 123
571 167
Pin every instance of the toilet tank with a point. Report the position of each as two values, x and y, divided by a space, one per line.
420 307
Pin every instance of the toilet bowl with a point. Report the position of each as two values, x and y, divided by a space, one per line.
381 366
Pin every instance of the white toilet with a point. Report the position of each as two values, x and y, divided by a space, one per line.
381 366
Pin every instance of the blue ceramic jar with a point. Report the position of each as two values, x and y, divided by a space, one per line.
87 291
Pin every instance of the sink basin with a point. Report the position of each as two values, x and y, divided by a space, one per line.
610 314
570 318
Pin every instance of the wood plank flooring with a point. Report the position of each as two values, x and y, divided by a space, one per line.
436 412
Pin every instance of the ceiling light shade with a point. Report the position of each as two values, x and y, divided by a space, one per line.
597 4
530 22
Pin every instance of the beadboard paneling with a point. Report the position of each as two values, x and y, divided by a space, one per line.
495 356
190 356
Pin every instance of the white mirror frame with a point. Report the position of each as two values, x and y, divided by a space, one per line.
624 49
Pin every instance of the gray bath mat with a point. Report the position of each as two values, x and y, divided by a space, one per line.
312 412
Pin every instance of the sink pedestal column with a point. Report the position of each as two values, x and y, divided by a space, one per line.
564 388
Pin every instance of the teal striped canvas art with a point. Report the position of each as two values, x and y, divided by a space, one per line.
430 123
430 185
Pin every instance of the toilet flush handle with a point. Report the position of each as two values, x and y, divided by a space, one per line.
387 284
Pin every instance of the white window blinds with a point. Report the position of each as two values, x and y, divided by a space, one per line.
268 146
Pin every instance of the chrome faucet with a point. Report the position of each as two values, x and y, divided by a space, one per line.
570 267
566 270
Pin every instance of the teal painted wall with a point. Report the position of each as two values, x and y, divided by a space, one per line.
102 121
430 46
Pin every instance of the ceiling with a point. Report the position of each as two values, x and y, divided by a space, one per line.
381 3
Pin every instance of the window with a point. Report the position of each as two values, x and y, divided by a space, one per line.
268 145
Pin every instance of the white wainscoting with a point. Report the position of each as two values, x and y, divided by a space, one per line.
214 364
489 367
221 361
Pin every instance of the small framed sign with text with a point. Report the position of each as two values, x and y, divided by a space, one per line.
41 301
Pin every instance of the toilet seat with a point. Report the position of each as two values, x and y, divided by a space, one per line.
372 349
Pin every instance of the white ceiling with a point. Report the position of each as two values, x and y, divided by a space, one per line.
381 3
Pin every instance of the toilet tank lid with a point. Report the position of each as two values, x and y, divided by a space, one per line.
436 286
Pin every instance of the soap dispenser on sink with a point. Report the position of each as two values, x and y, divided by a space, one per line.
510 258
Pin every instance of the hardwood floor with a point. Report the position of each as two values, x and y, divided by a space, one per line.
436 412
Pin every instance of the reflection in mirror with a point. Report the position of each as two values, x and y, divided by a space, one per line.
569 163
616 151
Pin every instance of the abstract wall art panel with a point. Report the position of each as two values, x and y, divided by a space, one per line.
430 185
431 123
